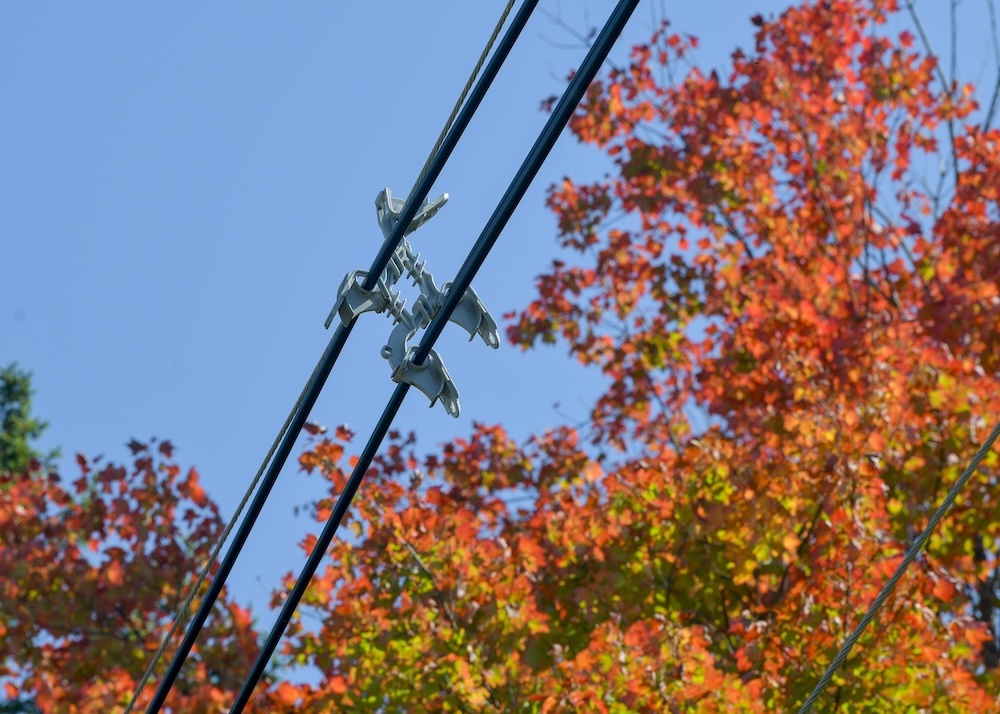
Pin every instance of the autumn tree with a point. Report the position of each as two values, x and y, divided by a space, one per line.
797 327
91 574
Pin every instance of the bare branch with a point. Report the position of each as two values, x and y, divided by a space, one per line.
991 112
995 41
954 42
946 86
584 40
926 42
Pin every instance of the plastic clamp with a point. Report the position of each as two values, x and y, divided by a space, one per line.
431 377
472 316
389 208
353 299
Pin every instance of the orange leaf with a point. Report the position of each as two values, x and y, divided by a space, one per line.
115 573
944 590
287 694
876 442
978 635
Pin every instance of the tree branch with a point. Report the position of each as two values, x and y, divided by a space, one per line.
948 88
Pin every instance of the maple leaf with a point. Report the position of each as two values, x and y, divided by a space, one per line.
194 490
135 447
343 433
115 573
313 428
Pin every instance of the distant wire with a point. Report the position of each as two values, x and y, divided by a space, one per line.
185 606
277 455
529 168
464 94
911 555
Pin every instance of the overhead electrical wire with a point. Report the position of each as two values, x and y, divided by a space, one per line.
911 554
465 92
283 443
529 168
185 605
466 106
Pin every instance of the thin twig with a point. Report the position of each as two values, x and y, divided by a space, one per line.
988 120
948 88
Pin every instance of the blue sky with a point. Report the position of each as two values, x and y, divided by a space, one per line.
185 185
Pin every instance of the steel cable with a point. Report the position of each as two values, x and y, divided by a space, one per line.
463 95
911 554
185 605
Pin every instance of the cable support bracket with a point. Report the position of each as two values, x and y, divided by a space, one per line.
431 377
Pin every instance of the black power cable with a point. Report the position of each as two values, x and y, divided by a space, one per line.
334 349
543 145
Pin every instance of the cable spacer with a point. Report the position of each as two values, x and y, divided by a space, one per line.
353 299
472 316
388 208
432 379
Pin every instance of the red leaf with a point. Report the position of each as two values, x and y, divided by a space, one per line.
194 490
343 433
313 428
135 446
944 590
977 635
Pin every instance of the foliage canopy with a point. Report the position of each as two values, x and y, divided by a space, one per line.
798 334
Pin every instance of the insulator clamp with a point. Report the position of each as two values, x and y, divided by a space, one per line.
431 377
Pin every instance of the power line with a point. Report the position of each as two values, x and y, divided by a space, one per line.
186 604
282 446
463 95
911 554
529 168
182 611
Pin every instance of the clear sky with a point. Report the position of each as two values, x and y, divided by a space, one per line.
185 184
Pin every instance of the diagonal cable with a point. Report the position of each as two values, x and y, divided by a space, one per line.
529 168
463 95
464 109
911 554
185 606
